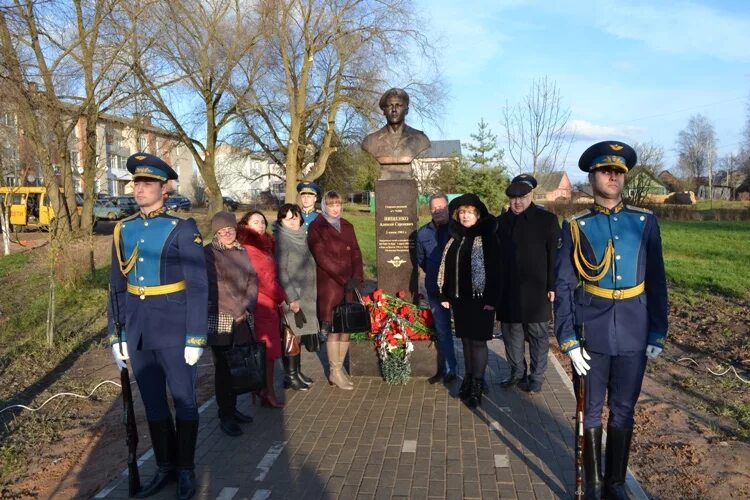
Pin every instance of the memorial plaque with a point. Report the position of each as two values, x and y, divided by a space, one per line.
395 229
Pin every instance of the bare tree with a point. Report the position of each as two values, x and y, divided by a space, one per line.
194 59
536 129
326 63
62 64
640 181
696 146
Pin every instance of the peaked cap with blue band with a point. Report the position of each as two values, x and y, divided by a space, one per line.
146 165
521 185
308 187
614 154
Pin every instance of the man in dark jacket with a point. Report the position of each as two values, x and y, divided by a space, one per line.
528 243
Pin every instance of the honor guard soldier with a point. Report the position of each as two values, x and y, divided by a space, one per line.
159 303
308 192
610 309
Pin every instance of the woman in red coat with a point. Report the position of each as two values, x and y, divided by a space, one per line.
339 270
260 248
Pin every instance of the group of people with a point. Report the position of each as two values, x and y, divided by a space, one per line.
171 296
603 272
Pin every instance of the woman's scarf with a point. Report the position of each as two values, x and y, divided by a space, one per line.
218 245
289 235
334 221
478 275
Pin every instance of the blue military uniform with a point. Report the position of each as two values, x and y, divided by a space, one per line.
310 188
159 290
611 291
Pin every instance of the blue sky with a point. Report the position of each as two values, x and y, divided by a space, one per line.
631 71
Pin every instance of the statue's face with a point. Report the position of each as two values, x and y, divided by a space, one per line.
395 110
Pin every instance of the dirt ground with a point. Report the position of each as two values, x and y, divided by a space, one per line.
683 446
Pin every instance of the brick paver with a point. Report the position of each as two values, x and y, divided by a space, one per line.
415 441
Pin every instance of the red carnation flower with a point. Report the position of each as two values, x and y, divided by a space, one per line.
401 294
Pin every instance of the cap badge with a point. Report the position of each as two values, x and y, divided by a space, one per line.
140 157
615 147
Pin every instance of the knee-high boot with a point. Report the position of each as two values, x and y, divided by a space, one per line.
292 379
335 364
187 435
343 349
164 442
618 451
592 462
267 394
304 378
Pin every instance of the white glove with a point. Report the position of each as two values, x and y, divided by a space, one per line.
192 355
652 352
120 358
579 356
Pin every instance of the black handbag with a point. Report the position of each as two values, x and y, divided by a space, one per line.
247 365
350 317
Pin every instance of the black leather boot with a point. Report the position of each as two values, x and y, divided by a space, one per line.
187 435
474 399
618 451
592 462
292 380
164 442
304 378
465 389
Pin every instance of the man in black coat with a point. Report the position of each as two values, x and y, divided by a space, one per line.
528 243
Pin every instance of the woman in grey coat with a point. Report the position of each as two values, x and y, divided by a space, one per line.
297 274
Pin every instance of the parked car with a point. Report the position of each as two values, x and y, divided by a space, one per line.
178 202
230 203
127 204
107 210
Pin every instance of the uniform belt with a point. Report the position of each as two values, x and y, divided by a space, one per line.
147 291
608 293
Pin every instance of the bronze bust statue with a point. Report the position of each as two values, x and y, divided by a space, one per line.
397 144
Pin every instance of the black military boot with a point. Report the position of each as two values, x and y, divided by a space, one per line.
304 378
292 380
592 462
187 434
164 442
474 399
618 450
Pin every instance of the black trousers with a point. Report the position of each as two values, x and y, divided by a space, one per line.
226 399
513 338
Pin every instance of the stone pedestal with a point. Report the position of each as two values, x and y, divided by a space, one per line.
364 362
395 231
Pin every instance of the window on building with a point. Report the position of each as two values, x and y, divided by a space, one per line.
142 143
74 157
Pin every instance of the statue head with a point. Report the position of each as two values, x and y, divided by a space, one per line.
395 105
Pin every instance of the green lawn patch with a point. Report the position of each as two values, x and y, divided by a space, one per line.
708 256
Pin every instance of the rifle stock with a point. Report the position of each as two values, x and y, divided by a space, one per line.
580 390
131 433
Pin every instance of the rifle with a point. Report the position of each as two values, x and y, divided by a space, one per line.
580 405
131 433
128 411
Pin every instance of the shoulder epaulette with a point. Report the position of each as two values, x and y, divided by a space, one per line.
579 215
129 218
639 209
174 214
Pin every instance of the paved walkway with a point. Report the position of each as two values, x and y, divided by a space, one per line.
379 441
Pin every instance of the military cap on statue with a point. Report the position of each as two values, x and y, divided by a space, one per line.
614 154
146 165
521 185
308 187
